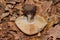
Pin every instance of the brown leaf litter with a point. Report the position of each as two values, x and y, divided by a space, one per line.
11 12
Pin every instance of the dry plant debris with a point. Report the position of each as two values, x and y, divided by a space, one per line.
42 12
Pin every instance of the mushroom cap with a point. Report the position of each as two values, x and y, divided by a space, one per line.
32 27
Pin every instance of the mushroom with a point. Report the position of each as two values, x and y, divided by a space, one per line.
31 27
30 23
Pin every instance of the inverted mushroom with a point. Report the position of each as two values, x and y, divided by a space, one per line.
31 27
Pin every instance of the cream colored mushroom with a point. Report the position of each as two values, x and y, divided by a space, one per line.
31 27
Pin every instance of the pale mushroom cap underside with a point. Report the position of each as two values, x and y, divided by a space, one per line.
31 27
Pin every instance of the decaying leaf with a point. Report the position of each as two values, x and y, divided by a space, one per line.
43 7
10 1
54 32
31 27
3 29
2 6
4 15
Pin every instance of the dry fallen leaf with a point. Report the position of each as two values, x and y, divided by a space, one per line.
54 32
32 27
43 7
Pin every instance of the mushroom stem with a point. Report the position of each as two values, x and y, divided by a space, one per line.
29 18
